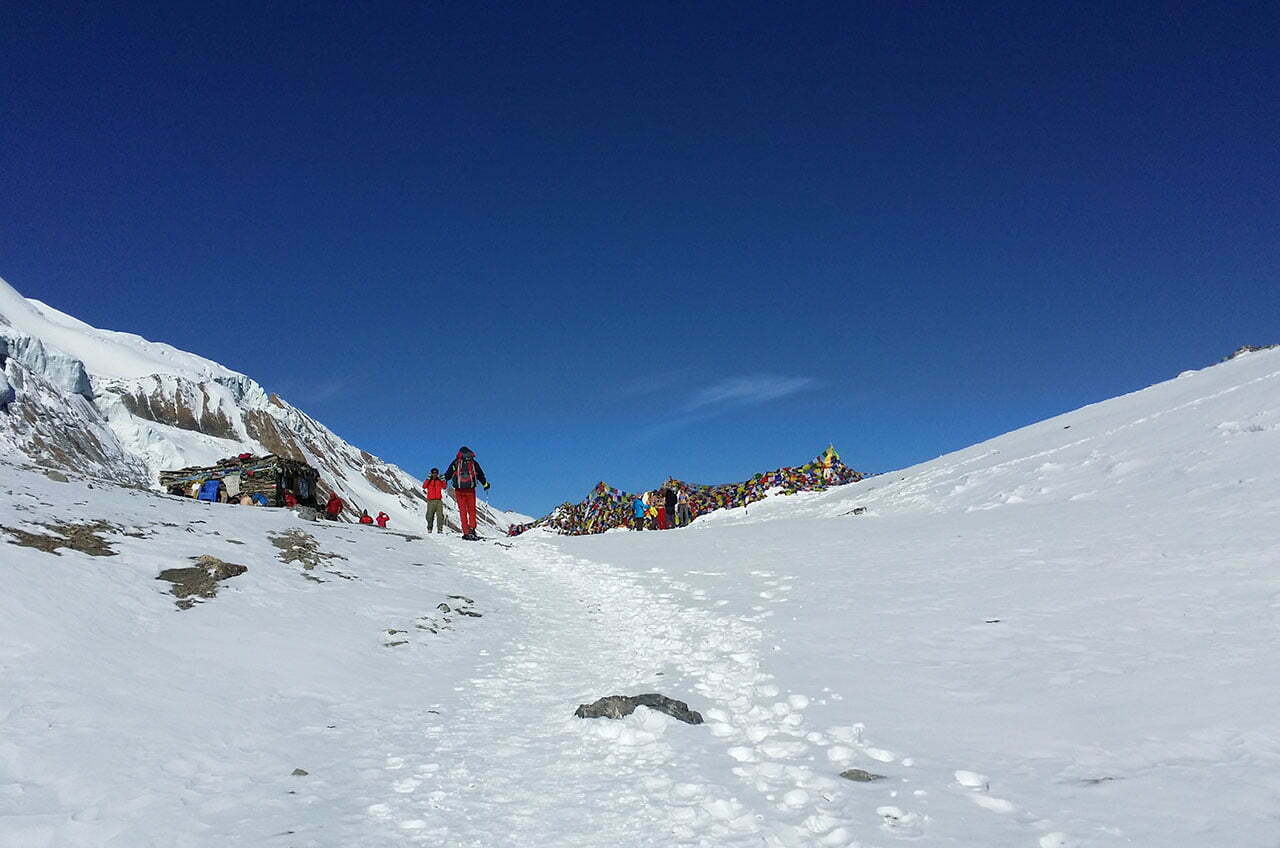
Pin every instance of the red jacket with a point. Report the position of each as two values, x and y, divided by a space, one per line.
334 506
289 499
365 519
434 488
382 519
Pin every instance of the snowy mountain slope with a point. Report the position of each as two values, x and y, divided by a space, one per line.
61 430
164 408
1186 439
1061 637
1083 611
108 354
126 721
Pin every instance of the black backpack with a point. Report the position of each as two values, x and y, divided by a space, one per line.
464 476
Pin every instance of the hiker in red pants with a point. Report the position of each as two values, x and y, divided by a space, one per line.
463 473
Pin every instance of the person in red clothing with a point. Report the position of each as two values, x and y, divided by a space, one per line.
334 507
660 519
382 519
290 499
434 487
463 473
365 517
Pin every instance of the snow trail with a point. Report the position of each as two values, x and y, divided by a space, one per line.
504 761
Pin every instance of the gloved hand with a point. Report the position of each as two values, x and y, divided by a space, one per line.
486 487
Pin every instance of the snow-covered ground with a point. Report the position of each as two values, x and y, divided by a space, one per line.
1061 637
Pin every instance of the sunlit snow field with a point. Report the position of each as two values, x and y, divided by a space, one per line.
1061 637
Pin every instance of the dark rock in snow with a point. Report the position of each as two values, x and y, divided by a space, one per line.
861 776
1243 349
300 773
199 581
617 706
84 537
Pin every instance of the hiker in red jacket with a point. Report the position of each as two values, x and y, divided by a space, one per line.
290 499
334 507
434 487
463 473
382 519
365 518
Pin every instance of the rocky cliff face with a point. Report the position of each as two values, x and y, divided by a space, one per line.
60 430
118 407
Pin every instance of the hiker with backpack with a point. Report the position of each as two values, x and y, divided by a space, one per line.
365 517
638 509
463 473
434 487
382 520
670 504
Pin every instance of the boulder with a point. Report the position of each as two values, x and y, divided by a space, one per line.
861 775
617 706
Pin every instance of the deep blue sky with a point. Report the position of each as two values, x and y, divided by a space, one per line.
623 241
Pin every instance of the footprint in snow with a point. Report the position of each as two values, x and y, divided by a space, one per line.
972 780
995 805
900 822
840 754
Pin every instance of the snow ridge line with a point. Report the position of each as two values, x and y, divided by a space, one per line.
923 483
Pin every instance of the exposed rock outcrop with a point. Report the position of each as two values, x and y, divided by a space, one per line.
199 581
618 706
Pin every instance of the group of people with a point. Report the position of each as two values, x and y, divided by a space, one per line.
607 508
661 510
463 474
333 511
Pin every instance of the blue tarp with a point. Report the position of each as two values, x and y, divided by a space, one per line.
209 491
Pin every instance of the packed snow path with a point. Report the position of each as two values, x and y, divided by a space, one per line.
508 759
503 758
